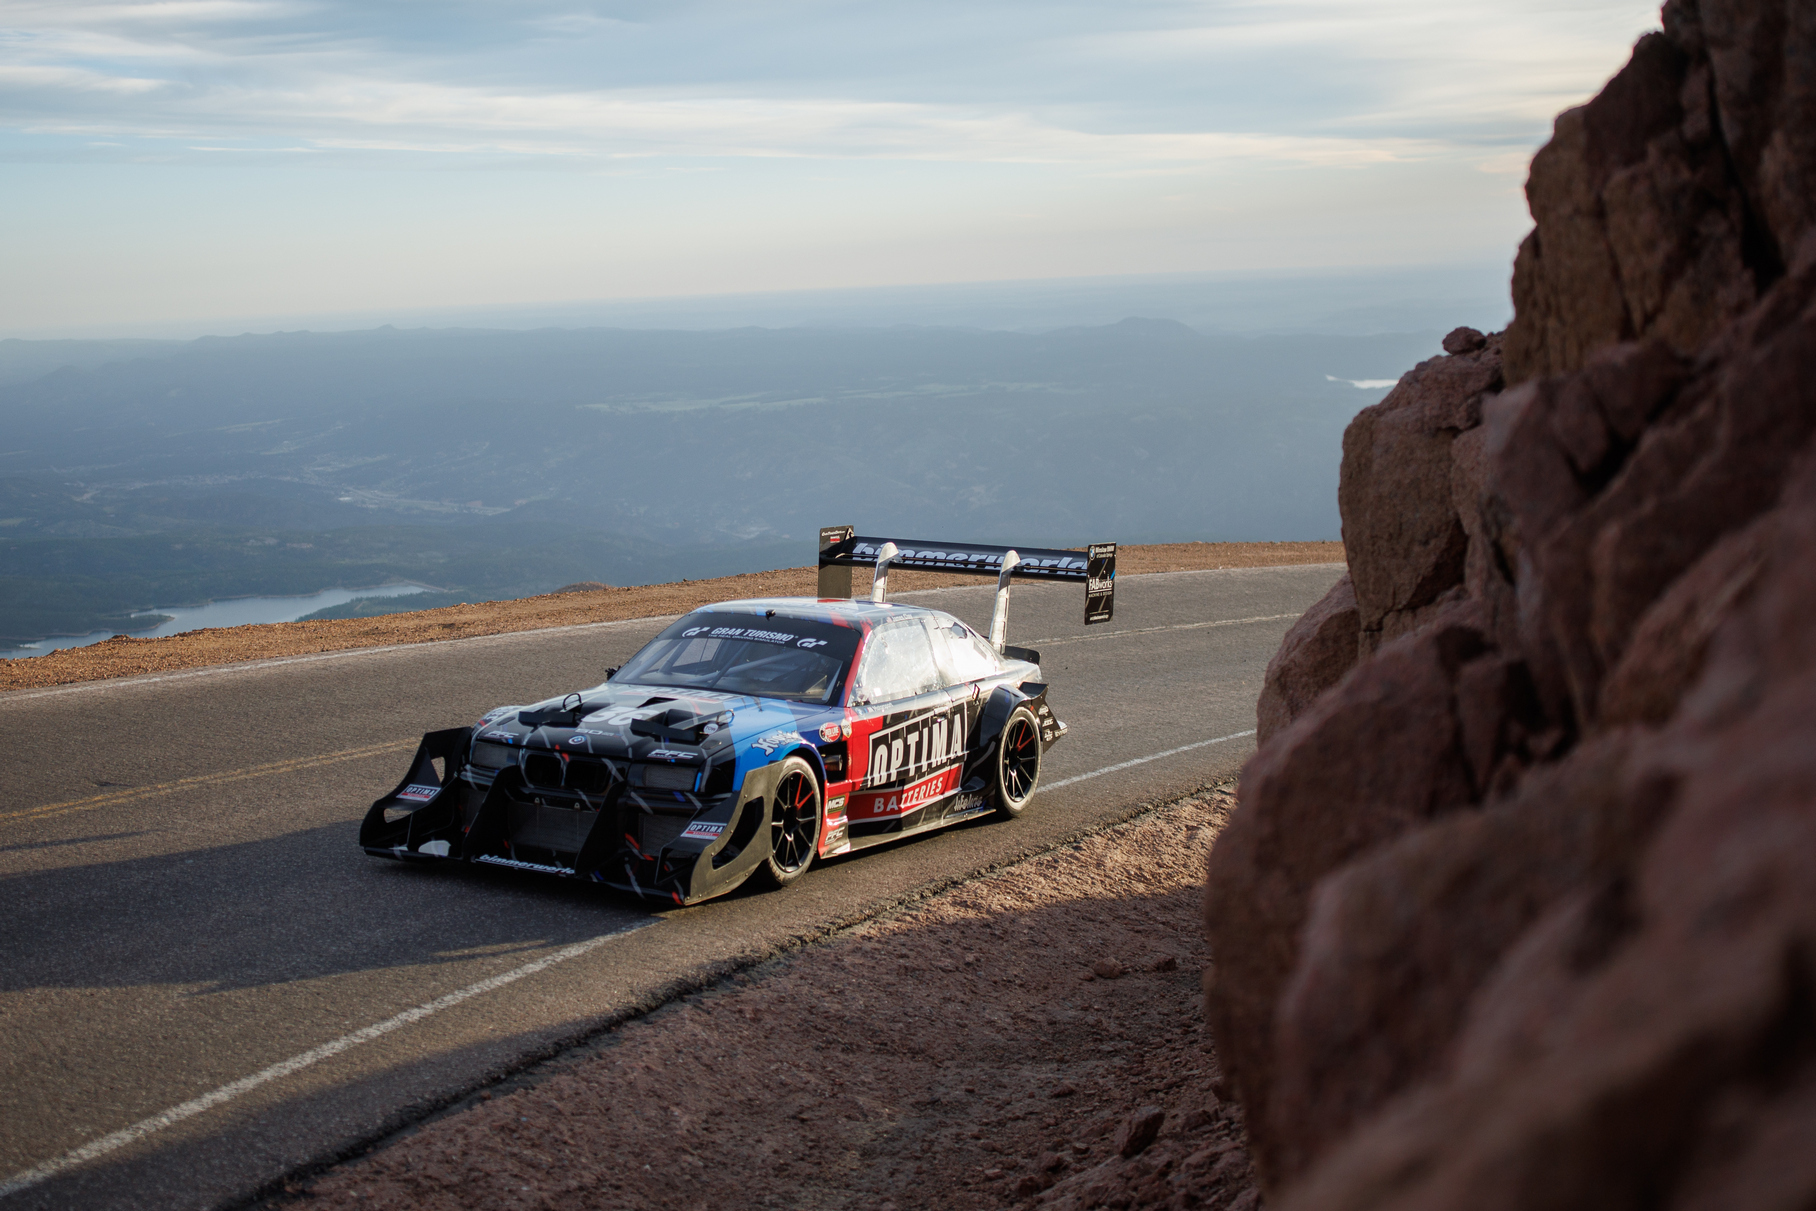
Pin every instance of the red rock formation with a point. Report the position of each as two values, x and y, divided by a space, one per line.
1517 908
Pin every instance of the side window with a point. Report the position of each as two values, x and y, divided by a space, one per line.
962 652
897 663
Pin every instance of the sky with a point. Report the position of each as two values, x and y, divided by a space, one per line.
195 161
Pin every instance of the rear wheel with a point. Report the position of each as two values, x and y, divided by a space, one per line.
1017 762
794 823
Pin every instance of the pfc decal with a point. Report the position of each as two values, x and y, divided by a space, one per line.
418 793
881 805
913 747
701 829
672 754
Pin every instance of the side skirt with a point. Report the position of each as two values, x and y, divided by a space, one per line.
872 840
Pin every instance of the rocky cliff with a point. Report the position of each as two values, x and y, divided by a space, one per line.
1517 909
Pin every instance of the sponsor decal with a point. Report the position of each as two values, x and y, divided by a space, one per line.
831 731
881 805
514 864
968 803
701 829
915 746
576 739
967 559
1100 582
810 644
775 740
835 803
417 793
674 754
710 728
748 633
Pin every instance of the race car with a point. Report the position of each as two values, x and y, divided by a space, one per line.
750 737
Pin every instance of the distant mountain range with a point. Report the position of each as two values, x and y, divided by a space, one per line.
136 474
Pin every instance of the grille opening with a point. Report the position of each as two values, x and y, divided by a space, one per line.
669 777
718 778
542 769
589 777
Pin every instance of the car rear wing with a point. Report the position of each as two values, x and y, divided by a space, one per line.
842 548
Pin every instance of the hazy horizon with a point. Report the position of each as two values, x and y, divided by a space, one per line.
1356 301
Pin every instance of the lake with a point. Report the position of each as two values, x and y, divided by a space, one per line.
237 612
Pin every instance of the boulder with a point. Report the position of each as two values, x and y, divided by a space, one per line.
1515 908
1315 654
1404 540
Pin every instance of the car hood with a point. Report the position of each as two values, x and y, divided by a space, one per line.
651 723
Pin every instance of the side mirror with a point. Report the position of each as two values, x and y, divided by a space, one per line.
612 672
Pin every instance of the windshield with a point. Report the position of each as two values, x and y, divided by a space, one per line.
747 654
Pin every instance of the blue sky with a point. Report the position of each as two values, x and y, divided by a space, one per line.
175 160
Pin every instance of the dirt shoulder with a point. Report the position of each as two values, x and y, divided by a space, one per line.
994 1045
124 656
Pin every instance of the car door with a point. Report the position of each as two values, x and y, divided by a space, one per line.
972 669
908 733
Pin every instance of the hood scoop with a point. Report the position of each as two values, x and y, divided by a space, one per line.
567 714
676 723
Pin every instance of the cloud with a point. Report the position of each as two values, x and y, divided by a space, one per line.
44 80
1314 82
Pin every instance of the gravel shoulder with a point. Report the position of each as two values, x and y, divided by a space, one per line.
1030 1038
124 656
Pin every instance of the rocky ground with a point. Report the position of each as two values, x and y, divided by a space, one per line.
1033 1038
124 656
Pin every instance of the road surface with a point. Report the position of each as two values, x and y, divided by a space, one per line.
205 984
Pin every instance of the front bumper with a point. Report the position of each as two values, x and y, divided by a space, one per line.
665 845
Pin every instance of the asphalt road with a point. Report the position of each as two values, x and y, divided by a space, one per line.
204 983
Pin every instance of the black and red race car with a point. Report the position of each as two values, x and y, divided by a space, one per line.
750 737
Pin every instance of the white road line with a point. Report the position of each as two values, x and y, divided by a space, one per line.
296 1063
1121 765
1176 626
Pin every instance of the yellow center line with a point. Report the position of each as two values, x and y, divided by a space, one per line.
132 793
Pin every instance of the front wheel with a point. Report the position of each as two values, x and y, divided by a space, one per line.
1017 762
794 823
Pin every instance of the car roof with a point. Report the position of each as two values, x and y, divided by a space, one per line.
821 609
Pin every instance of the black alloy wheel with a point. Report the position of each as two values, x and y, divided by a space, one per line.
1017 762
794 823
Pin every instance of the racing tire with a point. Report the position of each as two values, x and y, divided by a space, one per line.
794 824
1016 770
